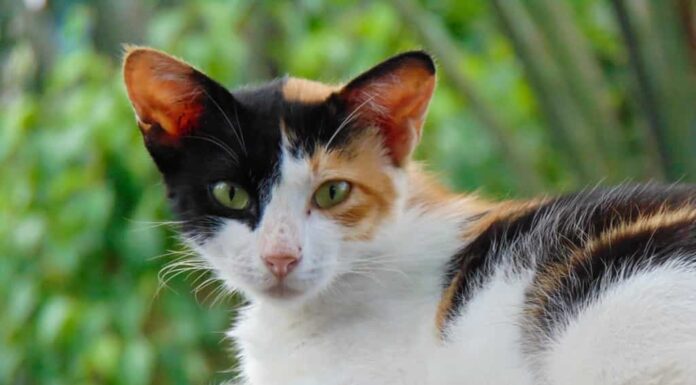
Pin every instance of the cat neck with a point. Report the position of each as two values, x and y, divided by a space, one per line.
426 194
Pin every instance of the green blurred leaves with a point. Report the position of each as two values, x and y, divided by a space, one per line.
78 281
533 96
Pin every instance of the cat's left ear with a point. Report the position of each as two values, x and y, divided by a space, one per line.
394 96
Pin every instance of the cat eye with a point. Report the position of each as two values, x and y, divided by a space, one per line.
331 193
231 195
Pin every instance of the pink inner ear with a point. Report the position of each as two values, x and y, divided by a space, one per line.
397 102
163 91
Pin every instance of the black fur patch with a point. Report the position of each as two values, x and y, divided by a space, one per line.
239 140
622 257
554 230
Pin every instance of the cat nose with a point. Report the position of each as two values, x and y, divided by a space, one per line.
281 264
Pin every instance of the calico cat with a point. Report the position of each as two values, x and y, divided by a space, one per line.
360 268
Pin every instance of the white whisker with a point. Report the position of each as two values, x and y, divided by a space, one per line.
237 132
220 144
352 116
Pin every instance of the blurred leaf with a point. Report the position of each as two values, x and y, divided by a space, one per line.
82 207
136 364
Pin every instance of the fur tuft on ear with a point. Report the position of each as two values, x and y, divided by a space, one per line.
394 96
165 92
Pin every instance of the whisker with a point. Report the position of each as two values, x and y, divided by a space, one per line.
241 133
348 119
218 143
198 278
154 224
222 295
213 293
169 273
237 133
204 284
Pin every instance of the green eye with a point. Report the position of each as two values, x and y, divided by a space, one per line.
231 195
331 193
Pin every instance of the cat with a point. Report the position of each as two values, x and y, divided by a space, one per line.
360 268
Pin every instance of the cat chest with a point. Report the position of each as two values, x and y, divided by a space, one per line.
377 351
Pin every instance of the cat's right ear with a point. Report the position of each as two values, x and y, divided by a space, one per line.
166 93
171 100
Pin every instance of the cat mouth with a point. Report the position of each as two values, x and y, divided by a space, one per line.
282 291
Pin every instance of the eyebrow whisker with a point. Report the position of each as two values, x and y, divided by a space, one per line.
236 130
218 143
352 116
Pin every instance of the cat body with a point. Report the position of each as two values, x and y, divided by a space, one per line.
496 333
361 269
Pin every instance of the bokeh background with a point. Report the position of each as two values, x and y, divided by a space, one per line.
535 96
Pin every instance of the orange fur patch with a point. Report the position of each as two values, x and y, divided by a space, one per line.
363 164
628 229
552 278
500 211
307 91
428 193
445 304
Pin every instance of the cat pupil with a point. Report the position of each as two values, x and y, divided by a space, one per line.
232 192
332 192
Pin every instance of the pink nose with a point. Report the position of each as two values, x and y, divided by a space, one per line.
281 264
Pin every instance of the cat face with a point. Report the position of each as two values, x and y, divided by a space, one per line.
276 184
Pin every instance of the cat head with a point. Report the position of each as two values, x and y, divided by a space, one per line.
275 184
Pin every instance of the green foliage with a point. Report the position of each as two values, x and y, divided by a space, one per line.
534 96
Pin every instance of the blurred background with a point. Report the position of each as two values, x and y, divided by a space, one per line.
537 96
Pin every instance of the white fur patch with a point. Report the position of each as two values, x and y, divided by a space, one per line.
641 331
236 251
483 343
373 325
